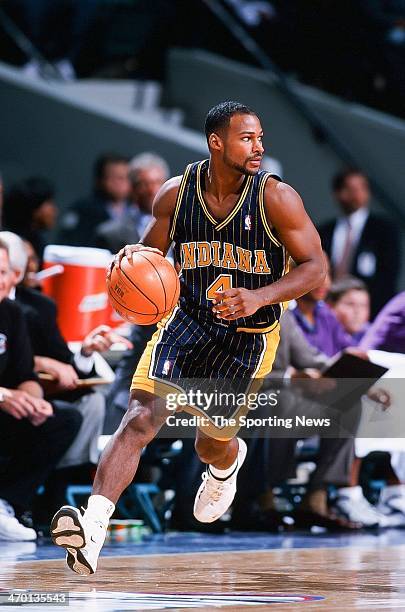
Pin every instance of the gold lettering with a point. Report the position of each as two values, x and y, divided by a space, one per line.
228 260
261 266
188 252
204 254
215 253
244 259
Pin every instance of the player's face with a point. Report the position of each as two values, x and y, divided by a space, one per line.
242 144
353 310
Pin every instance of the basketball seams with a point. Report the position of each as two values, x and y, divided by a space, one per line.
157 272
137 288
135 312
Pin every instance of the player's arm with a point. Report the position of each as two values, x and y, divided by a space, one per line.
156 237
285 214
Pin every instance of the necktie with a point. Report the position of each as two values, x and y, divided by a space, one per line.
342 267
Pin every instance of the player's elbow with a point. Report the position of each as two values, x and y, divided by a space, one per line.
320 270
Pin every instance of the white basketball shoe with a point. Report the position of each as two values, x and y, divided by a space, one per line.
82 535
215 496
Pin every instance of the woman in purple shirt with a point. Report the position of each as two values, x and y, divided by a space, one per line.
319 324
387 332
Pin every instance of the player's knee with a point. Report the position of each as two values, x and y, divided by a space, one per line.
139 423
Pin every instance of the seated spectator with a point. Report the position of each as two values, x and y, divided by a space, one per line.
318 323
361 243
147 173
30 211
31 443
350 301
273 460
387 332
104 219
53 357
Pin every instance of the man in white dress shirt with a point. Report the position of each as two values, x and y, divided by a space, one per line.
361 243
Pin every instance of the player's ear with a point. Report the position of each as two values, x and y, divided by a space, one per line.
215 142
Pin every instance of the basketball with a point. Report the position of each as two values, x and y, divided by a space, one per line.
144 291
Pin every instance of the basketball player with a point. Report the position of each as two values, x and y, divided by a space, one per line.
234 228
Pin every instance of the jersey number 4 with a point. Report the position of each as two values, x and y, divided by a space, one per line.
221 283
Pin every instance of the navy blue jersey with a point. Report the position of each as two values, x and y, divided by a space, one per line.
238 251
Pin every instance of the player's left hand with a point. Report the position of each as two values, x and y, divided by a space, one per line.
100 339
235 303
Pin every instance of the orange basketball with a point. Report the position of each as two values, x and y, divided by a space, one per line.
145 291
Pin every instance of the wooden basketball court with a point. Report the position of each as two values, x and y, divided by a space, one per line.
341 579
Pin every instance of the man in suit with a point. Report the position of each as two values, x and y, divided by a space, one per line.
361 243
89 221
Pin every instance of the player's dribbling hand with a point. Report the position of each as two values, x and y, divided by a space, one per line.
235 303
128 250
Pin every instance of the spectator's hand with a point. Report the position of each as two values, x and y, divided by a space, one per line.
100 339
315 383
18 404
307 373
381 396
127 252
353 350
63 373
43 410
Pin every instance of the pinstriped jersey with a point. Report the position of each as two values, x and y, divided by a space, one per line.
238 251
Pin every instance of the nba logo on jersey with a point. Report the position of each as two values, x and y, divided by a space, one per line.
166 367
248 222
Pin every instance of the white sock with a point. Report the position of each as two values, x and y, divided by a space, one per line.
101 507
223 474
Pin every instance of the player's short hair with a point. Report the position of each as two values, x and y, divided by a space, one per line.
144 161
339 180
105 160
340 287
220 115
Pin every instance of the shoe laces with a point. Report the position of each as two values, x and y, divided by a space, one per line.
213 487
92 517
